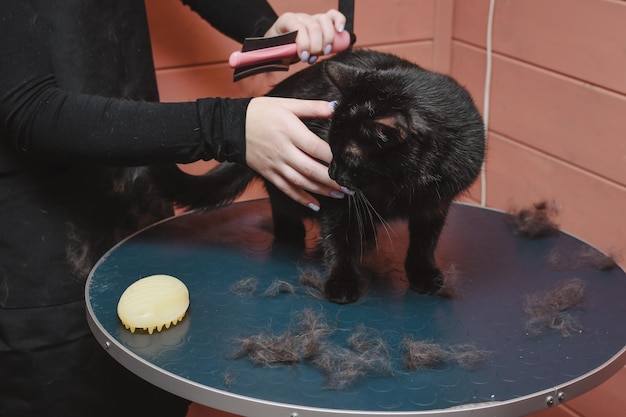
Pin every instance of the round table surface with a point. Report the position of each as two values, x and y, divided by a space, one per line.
520 373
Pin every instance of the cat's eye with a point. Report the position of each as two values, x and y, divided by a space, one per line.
384 134
388 129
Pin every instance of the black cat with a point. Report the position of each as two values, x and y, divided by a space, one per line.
406 140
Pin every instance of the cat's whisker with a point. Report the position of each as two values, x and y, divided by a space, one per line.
360 223
380 218
367 208
353 207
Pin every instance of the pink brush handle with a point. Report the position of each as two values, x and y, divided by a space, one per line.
241 59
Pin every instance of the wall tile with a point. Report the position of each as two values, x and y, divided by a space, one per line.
181 38
564 117
585 39
591 208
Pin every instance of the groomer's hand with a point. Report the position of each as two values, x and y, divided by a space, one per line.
284 151
315 32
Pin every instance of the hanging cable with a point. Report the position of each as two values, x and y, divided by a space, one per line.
487 97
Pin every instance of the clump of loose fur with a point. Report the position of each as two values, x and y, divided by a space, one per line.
451 282
301 341
312 333
586 257
245 287
420 354
230 379
467 355
536 221
269 349
549 310
279 287
313 281
344 367
372 349
310 279
367 353
341 367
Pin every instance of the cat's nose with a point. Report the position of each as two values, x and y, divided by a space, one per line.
333 171
340 176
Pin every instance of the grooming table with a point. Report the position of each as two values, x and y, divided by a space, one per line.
212 250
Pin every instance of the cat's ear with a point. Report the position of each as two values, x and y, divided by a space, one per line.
417 124
340 74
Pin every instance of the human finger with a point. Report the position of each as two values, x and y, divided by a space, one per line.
302 137
309 109
293 191
307 172
338 19
319 34
328 35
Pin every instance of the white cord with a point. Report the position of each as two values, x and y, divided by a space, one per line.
486 99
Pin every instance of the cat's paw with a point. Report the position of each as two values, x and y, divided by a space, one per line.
427 282
342 291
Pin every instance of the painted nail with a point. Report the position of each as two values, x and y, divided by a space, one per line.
305 56
333 104
337 194
341 28
347 190
312 60
328 49
313 206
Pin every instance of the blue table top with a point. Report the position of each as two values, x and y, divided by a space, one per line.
210 251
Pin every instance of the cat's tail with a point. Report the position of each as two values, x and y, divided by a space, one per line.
218 187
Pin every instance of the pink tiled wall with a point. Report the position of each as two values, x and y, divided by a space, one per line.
558 100
557 115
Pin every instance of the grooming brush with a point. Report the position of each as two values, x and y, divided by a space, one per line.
153 302
275 53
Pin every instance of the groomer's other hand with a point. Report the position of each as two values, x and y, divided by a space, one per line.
284 151
315 32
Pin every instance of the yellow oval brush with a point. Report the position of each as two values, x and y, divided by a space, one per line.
153 302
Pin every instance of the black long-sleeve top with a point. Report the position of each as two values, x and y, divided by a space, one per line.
77 97
44 115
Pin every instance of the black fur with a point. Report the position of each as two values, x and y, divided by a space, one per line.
405 139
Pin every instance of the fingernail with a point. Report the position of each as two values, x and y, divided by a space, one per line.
341 28
337 194
333 104
305 56
328 49
312 60
347 190
313 206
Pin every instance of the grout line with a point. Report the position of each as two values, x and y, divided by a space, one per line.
537 66
558 160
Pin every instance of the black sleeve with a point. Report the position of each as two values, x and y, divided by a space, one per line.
236 19
41 120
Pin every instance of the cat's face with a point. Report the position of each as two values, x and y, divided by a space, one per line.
374 134
366 149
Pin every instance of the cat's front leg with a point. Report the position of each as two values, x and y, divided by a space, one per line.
287 218
424 230
340 242
343 285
